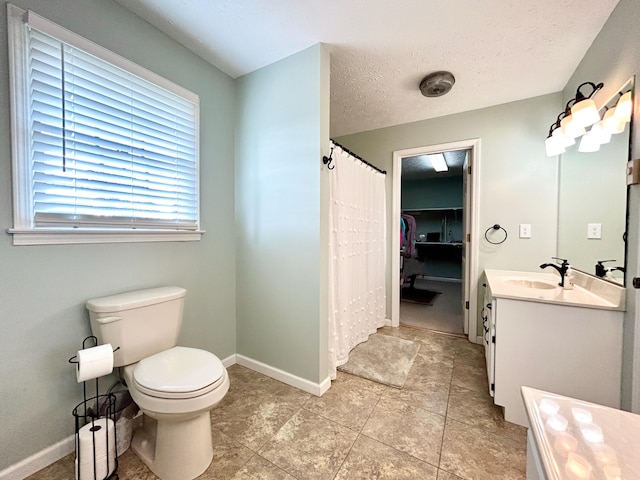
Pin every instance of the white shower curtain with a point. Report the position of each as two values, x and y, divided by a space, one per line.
357 255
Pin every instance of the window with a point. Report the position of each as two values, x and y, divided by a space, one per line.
103 150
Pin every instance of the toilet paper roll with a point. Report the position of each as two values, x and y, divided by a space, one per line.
94 362
96 450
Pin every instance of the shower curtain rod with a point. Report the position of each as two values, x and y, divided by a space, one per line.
384 172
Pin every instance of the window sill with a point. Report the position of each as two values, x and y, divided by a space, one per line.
74 236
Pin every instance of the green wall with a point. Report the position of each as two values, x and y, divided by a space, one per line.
613 58
43 288
278 234
282 127
432 193
517 182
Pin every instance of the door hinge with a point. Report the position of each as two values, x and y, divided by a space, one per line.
468 238
493 387
466 305
493 339
635 282
469 170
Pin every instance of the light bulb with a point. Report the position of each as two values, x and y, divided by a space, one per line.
599 133
553 147
589 143
585 113
611 123
562 138
623 108
570 128
549 407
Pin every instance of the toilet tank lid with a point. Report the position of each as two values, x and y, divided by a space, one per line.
135 299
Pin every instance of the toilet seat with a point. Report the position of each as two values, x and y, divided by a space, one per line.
179 372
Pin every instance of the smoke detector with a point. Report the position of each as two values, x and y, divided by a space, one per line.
437 84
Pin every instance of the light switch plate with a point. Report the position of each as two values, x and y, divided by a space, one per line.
594 230
525 230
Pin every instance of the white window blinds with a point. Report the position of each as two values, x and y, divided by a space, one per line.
108 148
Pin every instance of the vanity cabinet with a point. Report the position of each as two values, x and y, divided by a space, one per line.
568 349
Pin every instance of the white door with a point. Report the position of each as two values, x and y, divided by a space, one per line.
466 203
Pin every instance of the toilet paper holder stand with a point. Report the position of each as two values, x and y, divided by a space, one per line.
74 359
89 411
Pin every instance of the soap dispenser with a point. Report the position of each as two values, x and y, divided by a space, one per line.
569 279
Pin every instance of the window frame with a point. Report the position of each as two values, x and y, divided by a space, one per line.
24 230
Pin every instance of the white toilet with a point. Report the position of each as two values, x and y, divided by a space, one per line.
175 387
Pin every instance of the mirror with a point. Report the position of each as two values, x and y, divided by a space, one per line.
593 203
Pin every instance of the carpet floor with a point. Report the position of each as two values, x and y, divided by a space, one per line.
419 295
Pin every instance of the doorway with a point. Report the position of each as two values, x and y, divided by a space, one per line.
446 230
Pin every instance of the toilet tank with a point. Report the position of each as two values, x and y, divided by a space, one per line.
140 323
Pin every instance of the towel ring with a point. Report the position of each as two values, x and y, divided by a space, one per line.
495 227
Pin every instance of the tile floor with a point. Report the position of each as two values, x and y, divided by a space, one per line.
441 426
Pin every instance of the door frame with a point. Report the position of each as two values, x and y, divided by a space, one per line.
470 288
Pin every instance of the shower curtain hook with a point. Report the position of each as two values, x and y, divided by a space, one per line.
327 160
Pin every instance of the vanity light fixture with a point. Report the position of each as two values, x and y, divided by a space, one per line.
623 107
553 147
578 120
599 133
557 141
589 143
580 112
571 128
612 123
583 109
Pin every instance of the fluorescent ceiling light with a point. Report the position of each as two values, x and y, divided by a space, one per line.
437 160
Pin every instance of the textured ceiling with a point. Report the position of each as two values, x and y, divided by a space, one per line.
499 50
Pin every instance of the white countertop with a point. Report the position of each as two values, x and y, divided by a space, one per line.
582 440
588 292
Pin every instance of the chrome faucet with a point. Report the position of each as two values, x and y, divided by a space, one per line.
562 268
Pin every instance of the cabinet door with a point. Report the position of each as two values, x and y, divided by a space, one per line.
488 319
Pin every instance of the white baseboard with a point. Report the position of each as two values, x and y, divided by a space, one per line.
52 454
303 384
38 461
230 360
479 340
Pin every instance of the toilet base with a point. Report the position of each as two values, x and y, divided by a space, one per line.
175 450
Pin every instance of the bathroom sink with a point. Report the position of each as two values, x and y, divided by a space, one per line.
588 290
523 282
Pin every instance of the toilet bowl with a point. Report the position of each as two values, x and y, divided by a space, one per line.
175 390
175 387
